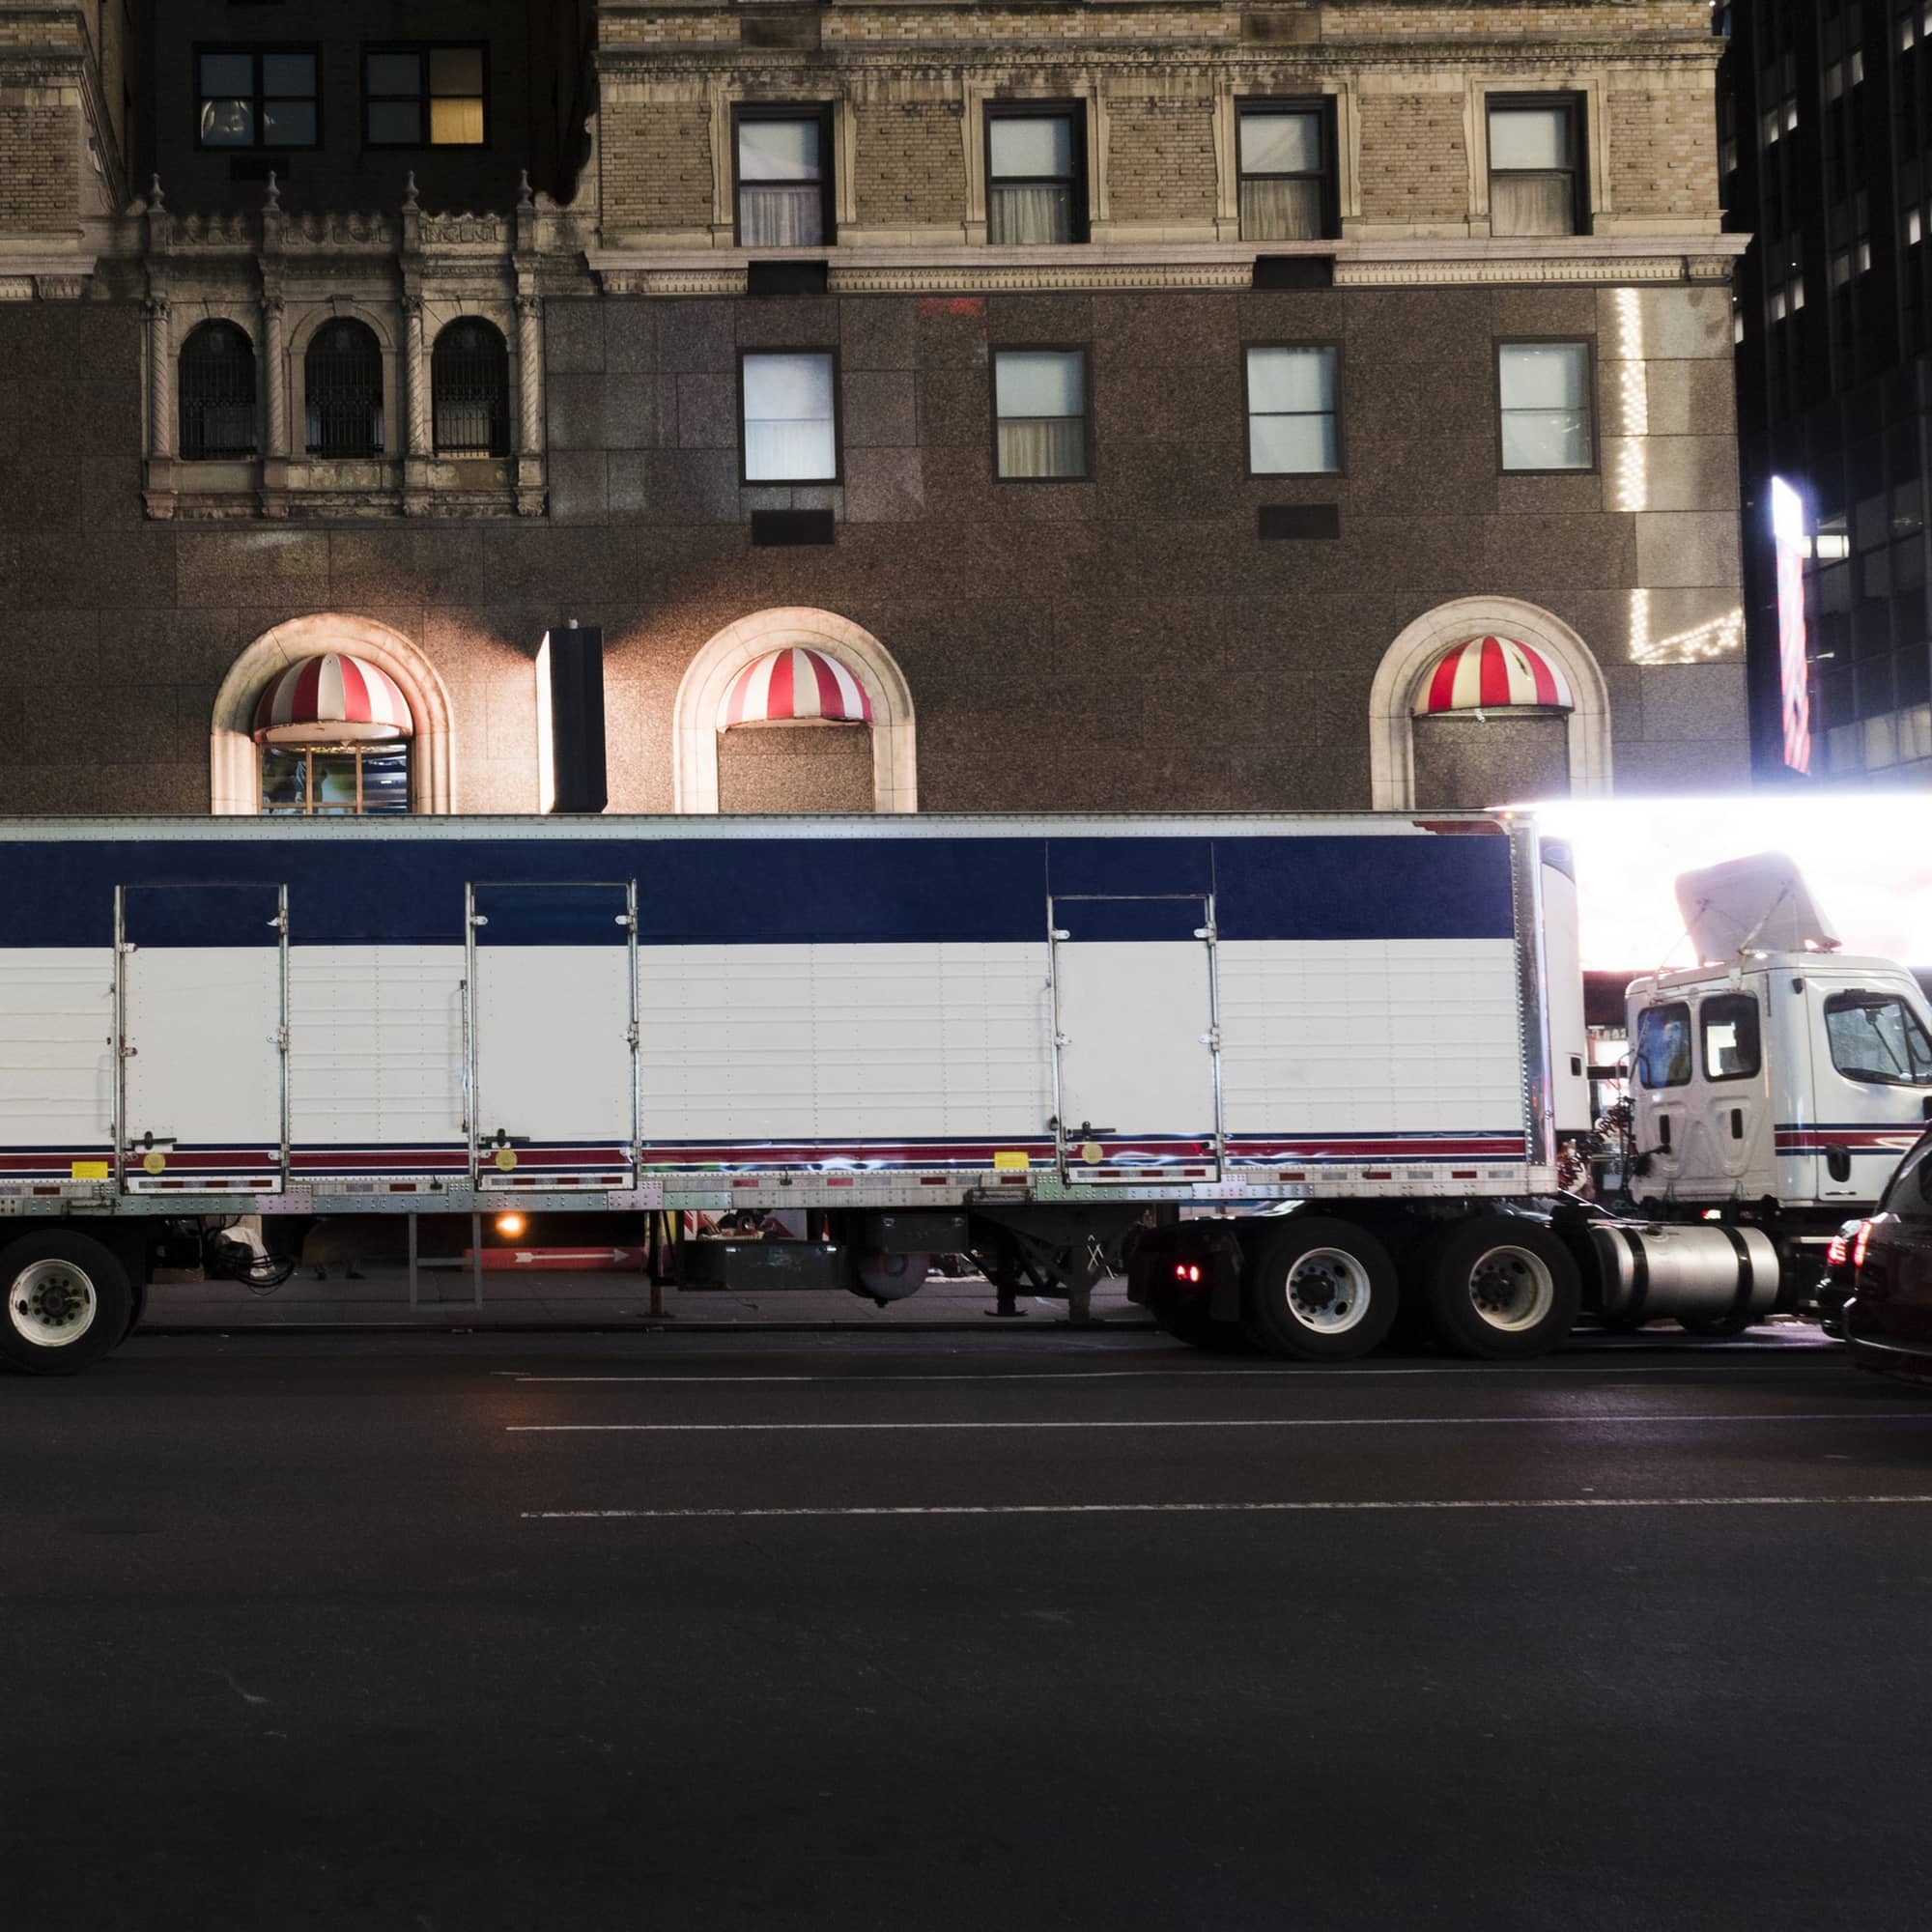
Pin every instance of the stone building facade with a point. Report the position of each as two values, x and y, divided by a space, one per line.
1142 405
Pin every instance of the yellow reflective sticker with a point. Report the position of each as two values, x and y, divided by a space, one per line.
1007 1161
90 1170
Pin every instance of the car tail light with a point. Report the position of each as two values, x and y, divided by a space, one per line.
1836 1252
1187 1270
1860 1244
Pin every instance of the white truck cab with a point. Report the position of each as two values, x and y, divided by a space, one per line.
1781 1071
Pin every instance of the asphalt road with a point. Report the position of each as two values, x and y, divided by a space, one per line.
936 1632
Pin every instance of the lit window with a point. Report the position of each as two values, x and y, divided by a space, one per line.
790 420
1292 412
783 180
265 99
334 780
1545 393
423 96
1039 407
1283 167
1533 171
1036 187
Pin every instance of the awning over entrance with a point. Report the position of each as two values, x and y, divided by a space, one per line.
332 698
1492 675
795 684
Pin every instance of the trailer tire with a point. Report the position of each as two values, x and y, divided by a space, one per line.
1501 1287
1318 1289
67 1302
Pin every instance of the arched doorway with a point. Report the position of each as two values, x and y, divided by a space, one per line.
260 678
1545 727
823 722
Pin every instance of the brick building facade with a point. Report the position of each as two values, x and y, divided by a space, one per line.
1367 331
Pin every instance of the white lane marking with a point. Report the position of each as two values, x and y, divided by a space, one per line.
1201 1422
1486 1370
1223 1509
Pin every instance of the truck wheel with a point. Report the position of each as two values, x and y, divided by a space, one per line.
67 1302
1501 1287
1715 1325
1320 1290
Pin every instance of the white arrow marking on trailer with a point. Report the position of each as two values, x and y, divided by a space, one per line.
527 1255
1224 1509
1205 1422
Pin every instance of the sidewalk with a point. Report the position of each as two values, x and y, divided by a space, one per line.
381 1299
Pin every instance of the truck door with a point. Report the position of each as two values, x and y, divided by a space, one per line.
202 1017
1661 1071
1136 1037
1871 1074
1728 1134
553 979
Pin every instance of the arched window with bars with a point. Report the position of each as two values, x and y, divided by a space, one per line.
342 381
216 393
470 378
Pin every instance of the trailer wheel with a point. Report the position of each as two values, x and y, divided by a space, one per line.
1318 1289
1501 1287
67 1302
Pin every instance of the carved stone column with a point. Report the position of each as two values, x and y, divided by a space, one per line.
275 374
416 377
160 379
530 374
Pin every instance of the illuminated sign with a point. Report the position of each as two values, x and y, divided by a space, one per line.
570 720
1787 530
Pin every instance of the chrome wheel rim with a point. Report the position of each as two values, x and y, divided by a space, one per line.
1328 1291
1510 1288
52 1303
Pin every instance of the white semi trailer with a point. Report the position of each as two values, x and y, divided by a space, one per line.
1288 1070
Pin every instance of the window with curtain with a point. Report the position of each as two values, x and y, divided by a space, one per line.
342 383
1035 177
1293 415
216 394
1544 389
790 416
423 98
470 385
1039 407
785 179
1533 167
1283 164
264 98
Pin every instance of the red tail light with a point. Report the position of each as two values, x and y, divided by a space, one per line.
1835 1251
1860 1244
1187 1270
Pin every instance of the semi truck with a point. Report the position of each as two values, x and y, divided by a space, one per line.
1292 1075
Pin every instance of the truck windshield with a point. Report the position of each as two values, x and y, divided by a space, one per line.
1664 1046
1877 1037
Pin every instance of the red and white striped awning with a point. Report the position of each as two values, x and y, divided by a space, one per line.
333 699
795 684
1492 675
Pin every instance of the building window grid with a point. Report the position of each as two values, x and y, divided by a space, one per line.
782 159
342 379
424 95
470 389
1042 410
788 417
1035 172
334 780
258 97
1284 164
1536 165
216 395
1294 408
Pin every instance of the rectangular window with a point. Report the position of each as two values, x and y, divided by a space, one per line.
785 178
258 97
1544 390
1730 1024
790 416
1035 175
1876 1036
1664 1046
1294 413
1039 409
1535 175
423 98
1282 154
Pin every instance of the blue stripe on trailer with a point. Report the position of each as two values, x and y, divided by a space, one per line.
351 889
